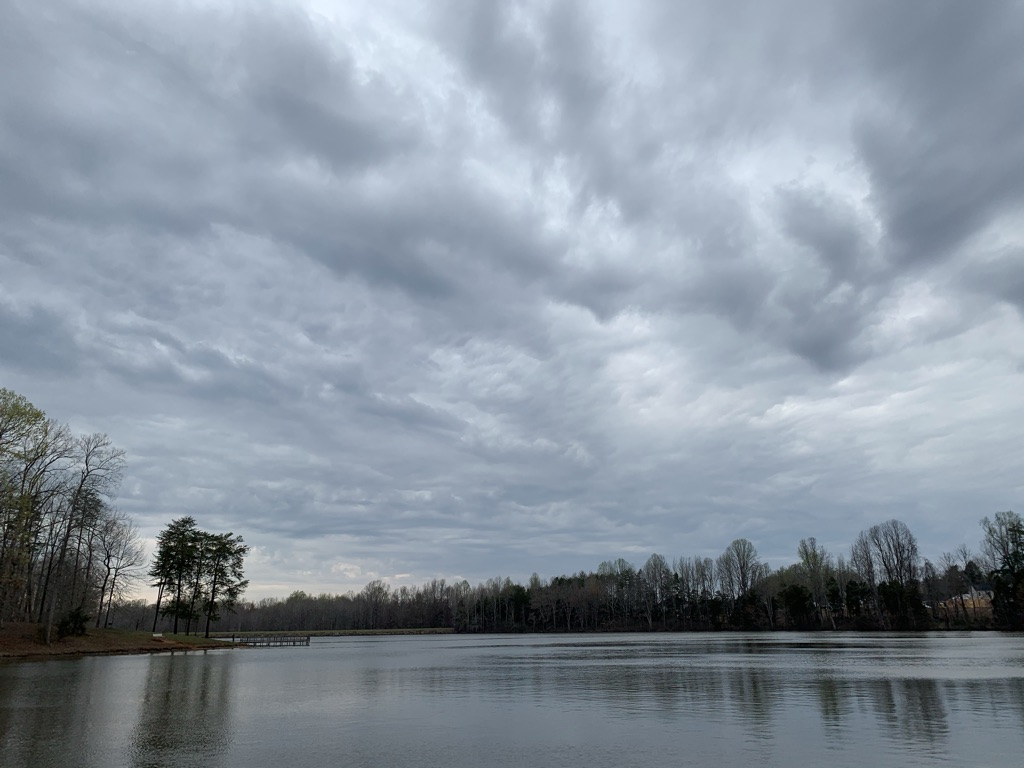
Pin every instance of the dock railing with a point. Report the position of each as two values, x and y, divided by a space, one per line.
268 641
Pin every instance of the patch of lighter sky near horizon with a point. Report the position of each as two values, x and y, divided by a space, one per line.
265 565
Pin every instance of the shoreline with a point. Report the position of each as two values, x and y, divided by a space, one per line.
19 642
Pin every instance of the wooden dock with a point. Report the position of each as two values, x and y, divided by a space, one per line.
270 641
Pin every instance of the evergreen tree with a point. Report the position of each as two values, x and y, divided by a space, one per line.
196 573
177 549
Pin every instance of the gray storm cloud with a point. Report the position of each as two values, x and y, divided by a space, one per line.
480 289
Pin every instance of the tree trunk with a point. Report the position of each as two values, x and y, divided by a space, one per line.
110 600
159 598
103 592
210 605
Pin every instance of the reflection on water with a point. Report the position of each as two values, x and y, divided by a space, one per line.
46 706
912 710
722 699
33 717
186 702
833 703
113 711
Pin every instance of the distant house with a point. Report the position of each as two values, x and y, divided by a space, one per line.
982 590
977 603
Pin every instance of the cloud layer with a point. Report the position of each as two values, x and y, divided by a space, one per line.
479 289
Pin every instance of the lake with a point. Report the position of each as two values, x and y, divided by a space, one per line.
571 701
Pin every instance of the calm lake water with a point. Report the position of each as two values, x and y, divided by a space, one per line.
554 700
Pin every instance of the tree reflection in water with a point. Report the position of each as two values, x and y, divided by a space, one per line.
185 716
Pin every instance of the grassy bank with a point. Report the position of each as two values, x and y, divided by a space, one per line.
23 641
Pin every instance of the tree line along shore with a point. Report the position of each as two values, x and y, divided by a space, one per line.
70 562
882 584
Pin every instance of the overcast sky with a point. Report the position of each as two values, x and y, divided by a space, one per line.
452 289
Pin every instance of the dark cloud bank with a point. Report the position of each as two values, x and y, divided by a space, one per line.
493 288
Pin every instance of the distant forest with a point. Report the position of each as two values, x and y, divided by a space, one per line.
882 584
68 555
